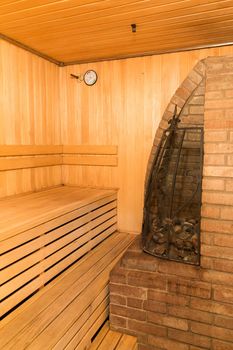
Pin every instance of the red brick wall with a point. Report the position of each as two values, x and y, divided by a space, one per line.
174 306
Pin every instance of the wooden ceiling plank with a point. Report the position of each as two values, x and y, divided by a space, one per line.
44 7
85 30
23 4
148 52
142 22
155 7
74 9
146 48
147 33
160 40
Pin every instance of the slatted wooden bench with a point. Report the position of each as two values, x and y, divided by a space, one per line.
112 340
58 248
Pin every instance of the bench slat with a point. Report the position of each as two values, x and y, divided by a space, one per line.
35 209
99 306
18 239
39 302
45 263
71 303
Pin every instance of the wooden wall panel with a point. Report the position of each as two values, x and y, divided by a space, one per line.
123 108
29 114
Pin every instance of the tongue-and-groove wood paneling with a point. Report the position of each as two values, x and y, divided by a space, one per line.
93 30
29 114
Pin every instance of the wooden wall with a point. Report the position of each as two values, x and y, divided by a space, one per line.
29 114
41 104
124 109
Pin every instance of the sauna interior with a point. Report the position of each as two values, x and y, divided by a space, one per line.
116 174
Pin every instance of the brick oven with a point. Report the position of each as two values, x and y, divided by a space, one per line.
169 304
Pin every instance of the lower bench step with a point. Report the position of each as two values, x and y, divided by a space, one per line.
107 339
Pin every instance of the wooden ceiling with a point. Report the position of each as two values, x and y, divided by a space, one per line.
69 31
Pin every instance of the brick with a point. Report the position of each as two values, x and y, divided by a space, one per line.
215 136
230 160
201 67
216 104
229 113
212 331
139 261
227 213
193 120
168 321
119 275
219 82
213 184
206 262
147 280
174 268
210 211
196 109
128 312
135 303
146 347
197 100
229 185
231 136
220 345
214 159
229 93
222 265
217 252
168 298
220 171
225 322
128 291
218 148
189 287
195 77
187 313
207 238
177 100
136 246
217 277
223 294
155 306
223 240
183 93
147 328
190 338
167 115
117 299
189 84
217 114
219 124
212 306
217 198
218 226
166 344
214 95
118 321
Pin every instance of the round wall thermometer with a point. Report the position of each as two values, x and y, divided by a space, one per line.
90 77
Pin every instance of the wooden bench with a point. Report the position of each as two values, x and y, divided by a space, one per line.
58 248
112 340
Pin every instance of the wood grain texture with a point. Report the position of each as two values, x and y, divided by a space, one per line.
30 115
94 160
123 108
51 230
102 28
